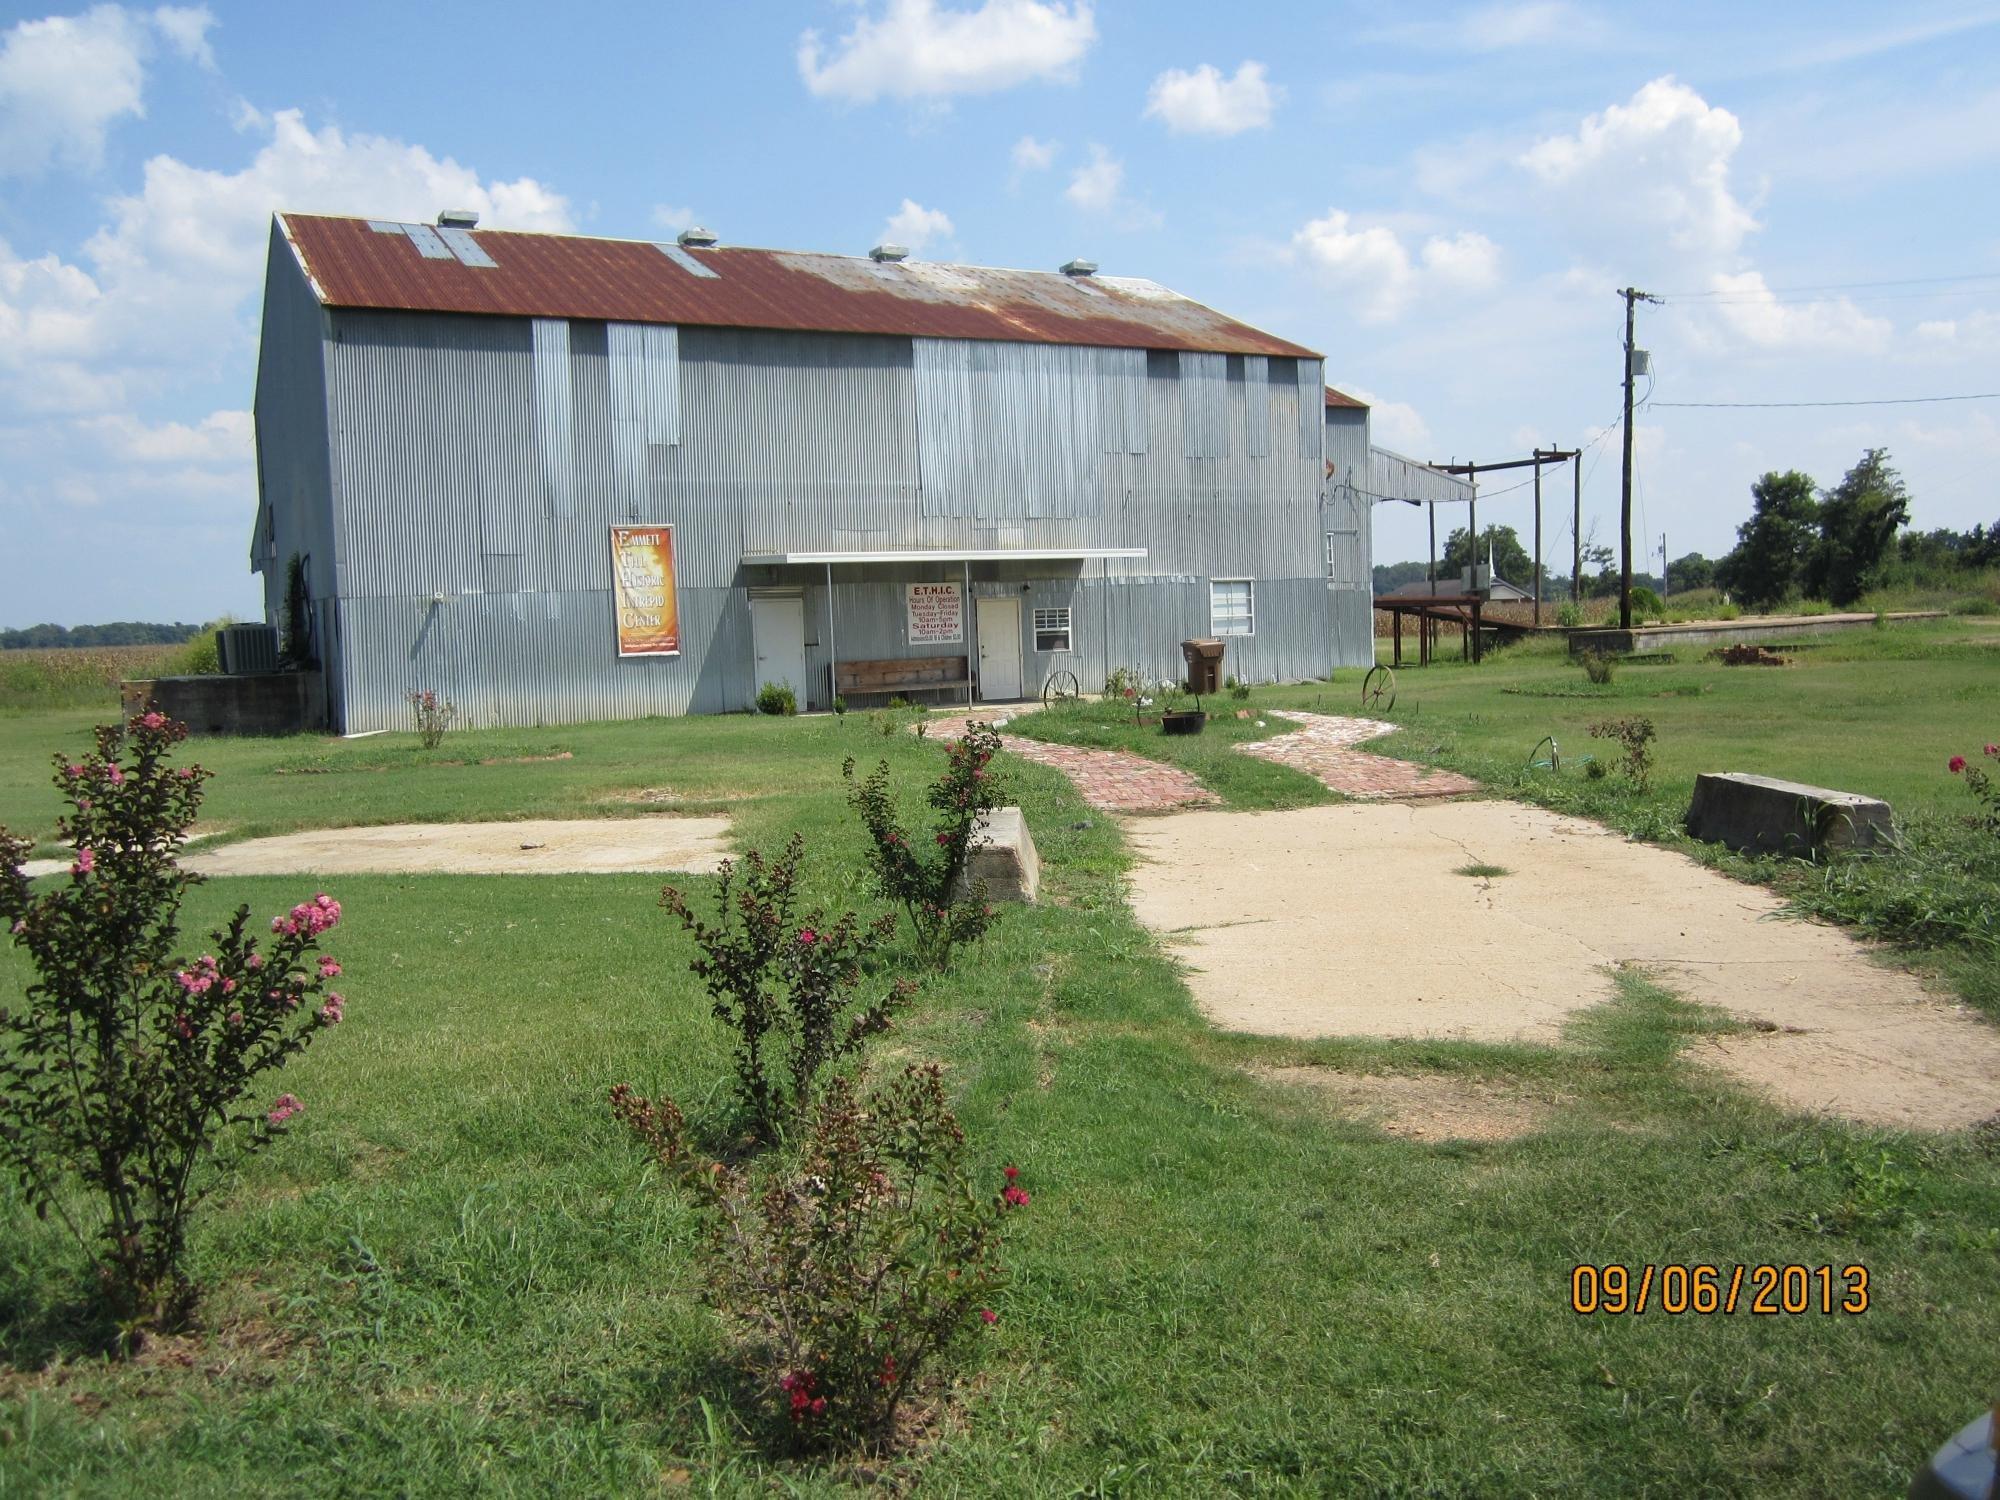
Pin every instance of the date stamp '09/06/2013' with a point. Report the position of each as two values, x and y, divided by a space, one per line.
1674 1289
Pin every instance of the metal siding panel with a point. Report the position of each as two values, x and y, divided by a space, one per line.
428 245
553 420
1256 406
1204 404
1009 431
461 244
1312 404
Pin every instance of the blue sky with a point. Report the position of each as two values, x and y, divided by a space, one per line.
1444 199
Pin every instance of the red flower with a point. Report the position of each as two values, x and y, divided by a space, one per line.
1955 764
1015 1197
1010 1172
807 935
989 1315
945 838
1993 749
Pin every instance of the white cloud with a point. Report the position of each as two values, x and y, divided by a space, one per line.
1467 259
1095 186
1205 103
673 218
1834 325
1656 165
186 28
1391 424
164 292
914 49
1031 155
1371 262
64 82
222 439
914 227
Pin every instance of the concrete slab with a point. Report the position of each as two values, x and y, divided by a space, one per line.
586 846
1349 920
1763 815
1004 857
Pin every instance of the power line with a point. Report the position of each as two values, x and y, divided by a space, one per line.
1885 401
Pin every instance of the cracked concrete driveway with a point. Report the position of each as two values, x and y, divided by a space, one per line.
1349 921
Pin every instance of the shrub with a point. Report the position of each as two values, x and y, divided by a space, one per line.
1646 603
839 705
1599 666
1984 789
777 698
128 1068
1124 682
1569 616
783 982
852 1273
200 657
434 716
1635 736
1240 691
929 882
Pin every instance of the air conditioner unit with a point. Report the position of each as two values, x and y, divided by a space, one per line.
245 650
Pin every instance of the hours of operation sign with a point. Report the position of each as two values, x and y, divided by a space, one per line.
937 614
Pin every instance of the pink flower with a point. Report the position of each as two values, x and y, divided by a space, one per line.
328 968
236 1018
283 1108
184 773
254 961
86 861
1993 749
331 1012
943 839
19 928
114 775
807 936
72 771
1015 1197
1955 764
153 721
989 1315
183 1027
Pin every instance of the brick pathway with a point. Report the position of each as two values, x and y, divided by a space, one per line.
1324 748
1110 780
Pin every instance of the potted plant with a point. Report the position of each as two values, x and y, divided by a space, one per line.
1175 716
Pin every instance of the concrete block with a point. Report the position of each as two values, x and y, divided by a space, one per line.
1762 815
263 703
1004 857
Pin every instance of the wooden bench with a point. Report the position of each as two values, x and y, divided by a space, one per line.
905 674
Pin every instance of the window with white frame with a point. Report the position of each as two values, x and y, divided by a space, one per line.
1232 607
1052 629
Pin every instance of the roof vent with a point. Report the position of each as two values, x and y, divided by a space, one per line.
698 237
890 252
1079 268
458 218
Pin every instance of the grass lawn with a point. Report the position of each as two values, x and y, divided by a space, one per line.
455 1276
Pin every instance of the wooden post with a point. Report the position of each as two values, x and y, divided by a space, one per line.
1576 531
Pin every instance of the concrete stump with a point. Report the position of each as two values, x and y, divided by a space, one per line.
1762 815
1003 856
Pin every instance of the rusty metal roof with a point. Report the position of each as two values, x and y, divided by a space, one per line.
378 264
1341 398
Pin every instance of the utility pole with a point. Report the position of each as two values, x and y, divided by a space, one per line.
1538 536
1663 565
1632 296
1576 531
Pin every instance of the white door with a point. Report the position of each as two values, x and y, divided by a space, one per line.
999 648
778 637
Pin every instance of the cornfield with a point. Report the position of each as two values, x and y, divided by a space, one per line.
88 676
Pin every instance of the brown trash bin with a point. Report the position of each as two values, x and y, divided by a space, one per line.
1204 664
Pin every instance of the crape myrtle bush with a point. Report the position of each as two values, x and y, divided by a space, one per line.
925 876
1985 789
852 1270
1635 738
126 1068
434 716
783 982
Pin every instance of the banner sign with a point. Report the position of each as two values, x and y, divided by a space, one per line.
937 614
642 591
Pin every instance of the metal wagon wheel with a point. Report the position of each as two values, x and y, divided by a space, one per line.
1062 687
1552 762
1378 690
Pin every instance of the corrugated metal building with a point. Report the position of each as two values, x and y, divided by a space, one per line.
450 422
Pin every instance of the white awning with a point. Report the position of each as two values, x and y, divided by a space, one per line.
943 555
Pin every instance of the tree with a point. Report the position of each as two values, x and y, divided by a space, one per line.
1690 572
1768 563
1510 558
1858 522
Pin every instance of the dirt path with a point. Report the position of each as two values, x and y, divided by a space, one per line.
585 846
1349 920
